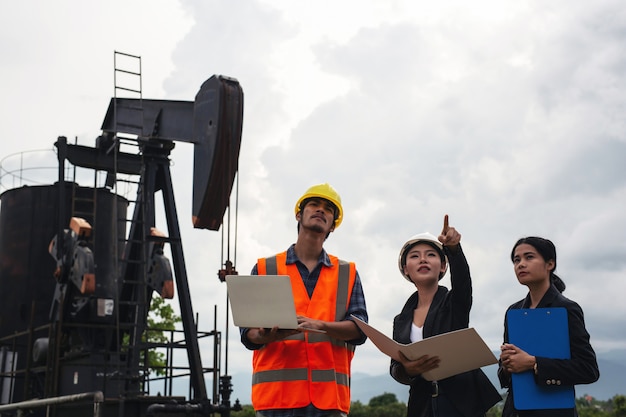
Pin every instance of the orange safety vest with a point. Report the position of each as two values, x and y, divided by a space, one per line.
307 368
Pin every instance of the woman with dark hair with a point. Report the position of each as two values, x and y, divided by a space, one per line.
534 262
431 310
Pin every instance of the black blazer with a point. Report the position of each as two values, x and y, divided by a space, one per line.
582 368
471 392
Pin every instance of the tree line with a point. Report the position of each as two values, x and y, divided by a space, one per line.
387 405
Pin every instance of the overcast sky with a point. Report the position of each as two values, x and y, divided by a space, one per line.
506 115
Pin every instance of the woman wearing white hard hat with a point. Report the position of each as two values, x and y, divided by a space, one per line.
432 310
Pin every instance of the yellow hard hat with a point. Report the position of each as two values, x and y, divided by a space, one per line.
327 192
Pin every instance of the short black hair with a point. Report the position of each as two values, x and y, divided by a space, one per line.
309 199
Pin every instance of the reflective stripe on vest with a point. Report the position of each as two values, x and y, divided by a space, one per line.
320 337
311 367
300 375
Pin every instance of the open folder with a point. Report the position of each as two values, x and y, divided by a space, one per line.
459 351
263 301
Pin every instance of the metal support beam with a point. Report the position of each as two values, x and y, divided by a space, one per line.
182 285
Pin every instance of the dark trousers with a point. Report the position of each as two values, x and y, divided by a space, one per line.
442 407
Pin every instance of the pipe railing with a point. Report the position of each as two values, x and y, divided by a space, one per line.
96 396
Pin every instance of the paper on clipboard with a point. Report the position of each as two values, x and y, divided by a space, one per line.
460 351
263 301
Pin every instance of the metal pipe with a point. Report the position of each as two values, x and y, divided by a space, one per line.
172 408
97 397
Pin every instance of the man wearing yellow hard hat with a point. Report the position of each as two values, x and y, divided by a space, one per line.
298 373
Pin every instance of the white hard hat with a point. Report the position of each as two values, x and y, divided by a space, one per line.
421 237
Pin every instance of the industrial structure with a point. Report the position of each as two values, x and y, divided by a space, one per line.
80 265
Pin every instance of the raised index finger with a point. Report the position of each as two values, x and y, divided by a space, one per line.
445 225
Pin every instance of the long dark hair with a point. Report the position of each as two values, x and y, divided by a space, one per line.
547 250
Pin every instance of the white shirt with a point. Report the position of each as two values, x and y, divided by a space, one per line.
417 333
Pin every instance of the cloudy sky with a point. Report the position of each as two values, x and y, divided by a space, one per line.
506 115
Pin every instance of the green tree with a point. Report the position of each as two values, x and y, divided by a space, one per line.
389 410
591 412
619 406
383 400
358 409
161 319
246 411
384 405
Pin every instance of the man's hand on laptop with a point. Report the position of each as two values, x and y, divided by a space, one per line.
307 324
263 336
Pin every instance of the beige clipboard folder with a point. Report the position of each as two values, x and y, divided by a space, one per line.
261 301
460 351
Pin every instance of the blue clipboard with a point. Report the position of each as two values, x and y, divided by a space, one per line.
540 332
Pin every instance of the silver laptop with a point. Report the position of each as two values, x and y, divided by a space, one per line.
261 301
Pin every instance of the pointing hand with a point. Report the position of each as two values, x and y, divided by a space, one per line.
449 235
